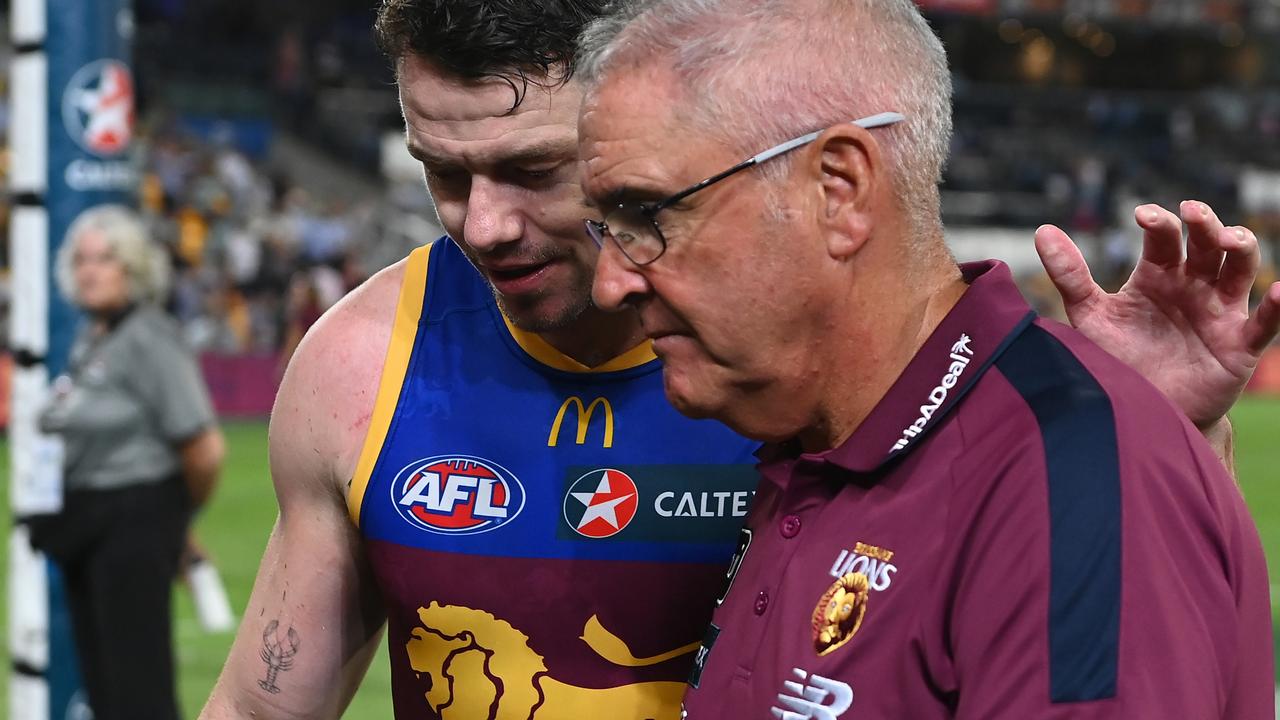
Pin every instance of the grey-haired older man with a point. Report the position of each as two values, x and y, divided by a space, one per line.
965 511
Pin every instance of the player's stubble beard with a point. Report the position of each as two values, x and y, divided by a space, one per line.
574 301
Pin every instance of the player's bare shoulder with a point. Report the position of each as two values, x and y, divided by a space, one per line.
326 398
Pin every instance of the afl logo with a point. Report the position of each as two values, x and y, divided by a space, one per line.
601 503
457 495
97 107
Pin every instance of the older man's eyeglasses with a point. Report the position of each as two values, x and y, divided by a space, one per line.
633 226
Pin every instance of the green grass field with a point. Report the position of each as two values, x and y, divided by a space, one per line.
235 528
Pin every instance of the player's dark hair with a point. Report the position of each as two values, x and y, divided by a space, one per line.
517 41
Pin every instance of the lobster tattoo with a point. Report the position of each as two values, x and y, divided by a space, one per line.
277 653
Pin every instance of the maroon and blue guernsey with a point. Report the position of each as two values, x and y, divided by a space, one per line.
548 539
1023 528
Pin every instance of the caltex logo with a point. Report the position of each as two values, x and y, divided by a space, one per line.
457 495
601 503
97 107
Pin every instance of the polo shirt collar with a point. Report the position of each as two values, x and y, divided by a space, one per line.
988 317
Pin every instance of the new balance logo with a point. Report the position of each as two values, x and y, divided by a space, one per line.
809 701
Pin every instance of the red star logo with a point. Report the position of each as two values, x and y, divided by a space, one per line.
608 509
108 106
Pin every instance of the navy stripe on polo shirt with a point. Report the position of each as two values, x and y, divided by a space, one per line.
1082 464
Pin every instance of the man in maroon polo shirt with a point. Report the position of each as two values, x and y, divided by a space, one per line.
965 511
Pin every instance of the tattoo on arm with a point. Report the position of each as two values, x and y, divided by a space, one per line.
278 653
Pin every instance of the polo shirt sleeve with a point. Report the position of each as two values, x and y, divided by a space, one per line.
1089 582
167 380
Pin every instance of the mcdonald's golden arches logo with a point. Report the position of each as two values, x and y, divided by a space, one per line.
584 420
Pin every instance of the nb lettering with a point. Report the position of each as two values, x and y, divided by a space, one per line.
812 697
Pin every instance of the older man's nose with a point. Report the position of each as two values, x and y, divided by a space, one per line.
618 281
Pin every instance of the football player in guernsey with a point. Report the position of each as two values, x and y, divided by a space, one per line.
468 453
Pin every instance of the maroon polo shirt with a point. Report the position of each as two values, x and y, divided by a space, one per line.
1023 528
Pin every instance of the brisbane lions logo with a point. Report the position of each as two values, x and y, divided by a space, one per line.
478 667
839 613
457 495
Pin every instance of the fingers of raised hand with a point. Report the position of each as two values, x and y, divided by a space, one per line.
1240 266
1066 266
1226 258
1265 323
1207 240
1161 236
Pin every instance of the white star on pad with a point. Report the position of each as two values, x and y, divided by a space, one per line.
108 107
603 509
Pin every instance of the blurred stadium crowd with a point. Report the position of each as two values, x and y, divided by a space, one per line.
257 257
264 146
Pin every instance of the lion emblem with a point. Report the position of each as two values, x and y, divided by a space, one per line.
839 613
481 668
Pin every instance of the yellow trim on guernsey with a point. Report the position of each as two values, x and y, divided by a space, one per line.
543 352
403 333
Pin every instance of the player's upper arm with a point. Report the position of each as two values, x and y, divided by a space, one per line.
314 610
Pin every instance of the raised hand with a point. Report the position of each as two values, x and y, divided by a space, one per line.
1182 320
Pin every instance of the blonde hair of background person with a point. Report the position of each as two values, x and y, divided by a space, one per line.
144 262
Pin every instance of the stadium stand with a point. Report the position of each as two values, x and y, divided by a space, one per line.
265 144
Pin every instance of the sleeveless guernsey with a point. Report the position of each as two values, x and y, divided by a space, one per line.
549 539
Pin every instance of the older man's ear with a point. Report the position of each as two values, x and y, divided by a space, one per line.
848 166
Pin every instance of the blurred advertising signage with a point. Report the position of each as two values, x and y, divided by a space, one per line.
98 115
97 107
1163 12
959 6
91 97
